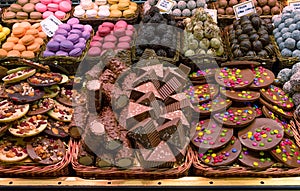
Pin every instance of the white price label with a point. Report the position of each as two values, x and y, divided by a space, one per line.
295 4
165 6
213 13
50 25
245 8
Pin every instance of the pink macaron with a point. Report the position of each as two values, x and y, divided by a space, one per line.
46 2
56 1
130 27
52 7
108 24
96 43
121 24
46 14
60 14
94 51
40 7
129 33
65 6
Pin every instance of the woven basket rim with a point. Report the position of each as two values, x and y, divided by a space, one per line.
135 172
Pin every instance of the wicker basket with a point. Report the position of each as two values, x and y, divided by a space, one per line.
56 170
98 21
134 172
65 64
10 22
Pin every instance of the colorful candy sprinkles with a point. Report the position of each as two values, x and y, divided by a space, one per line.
202 93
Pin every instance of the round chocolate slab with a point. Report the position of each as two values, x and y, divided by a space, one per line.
45 79
287 152
71 97
223 157
51 92
277 96
234 78
202 93
263 78
10 112
12 149
18 97
240 64
213 106
276 109
254 159
236 117
202 74
262 135
46 150
211 135
28 127
283 122
239 95
57 128
61 112
19 75
41 106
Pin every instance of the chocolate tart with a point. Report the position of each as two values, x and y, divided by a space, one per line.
28 127
213 106
40 107
57 128
12 149
236 117
61 112
202 93
24 93
240 95
19 75
46 150
277 96
254 159
263 78
234 78
225 156
276 109
45 79
262 135
10 112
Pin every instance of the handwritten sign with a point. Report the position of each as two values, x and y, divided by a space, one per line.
50 25
165 6
295 4
213 13
245 8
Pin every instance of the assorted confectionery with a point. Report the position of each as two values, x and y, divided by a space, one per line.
159 89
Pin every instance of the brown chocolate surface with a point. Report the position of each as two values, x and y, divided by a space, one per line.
263 78
255 159
143 89
240 96
212 106
41 106
276 109
234 78
262 135
236 117
44 79
240 63
202 93
57 128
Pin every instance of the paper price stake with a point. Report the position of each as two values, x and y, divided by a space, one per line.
50 25
213 13
245 8
165 6
294 4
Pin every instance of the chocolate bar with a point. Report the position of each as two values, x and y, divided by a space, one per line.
184 69
149 100
146 77
167 129
107 89
139 91
108 76
137 113
93 96
169 87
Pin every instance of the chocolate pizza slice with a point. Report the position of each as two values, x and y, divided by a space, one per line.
240 95
213 106
12 149
225 156
236 117
19 75
283 122
276 109
51 91
211 135
71 97
202 93
10 112
29 126
46 150
276 96
57 128
61 112
45 79
40 107
262 135
234 78
256 160
262 78
24 93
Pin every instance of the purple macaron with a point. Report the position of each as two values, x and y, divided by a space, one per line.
82 40
61 32
48 53
78 27
73 21
76 52
75 31
61 53
59 38
86 35
73 38
53 46
66 46
65 26
80 45
88 28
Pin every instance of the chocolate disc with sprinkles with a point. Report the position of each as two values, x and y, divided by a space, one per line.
263 78
287 152
240 96
278 97
254 159
283 122
223 157
234 78
202 75
276 109
211 135
213 106
202 93
262 135
236 117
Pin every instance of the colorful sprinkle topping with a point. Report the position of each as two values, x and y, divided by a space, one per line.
201 93
278 97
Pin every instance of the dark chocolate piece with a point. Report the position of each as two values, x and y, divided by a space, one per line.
168 129
108 77
256 160
146 77
116 66
184 69
171 73
149 100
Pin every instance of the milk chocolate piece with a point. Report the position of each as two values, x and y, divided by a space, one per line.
143 89
240 96
158 68
176 98
93 96
184 105
276 109
184 69
234 78
168 128
108 76
128 81
256 160
216 105
263 78
146 77
105 160
169 87
202 93
262 135
149 100
240 63
137 113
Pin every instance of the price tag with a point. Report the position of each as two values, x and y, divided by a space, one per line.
213 14
245 8
295 4
50 25
165 6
